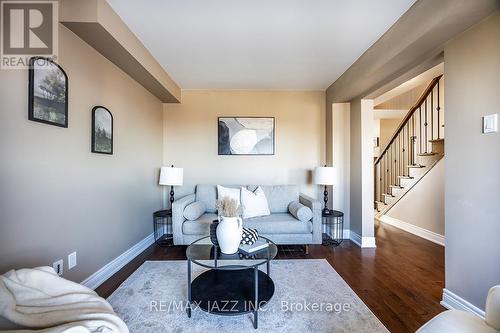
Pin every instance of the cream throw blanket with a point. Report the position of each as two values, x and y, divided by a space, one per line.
41 300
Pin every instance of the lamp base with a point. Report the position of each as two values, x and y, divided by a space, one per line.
172 199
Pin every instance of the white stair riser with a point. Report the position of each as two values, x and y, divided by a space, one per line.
417 172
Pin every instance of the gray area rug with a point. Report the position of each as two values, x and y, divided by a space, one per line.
153 299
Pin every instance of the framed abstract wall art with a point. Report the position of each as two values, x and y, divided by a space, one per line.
246 135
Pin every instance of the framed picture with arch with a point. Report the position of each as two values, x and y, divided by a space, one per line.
102 130
48 92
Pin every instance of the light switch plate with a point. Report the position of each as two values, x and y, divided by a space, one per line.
490 123
71 260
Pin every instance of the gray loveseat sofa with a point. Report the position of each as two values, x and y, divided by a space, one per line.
281 227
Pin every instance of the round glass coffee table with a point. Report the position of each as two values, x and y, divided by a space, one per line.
233 283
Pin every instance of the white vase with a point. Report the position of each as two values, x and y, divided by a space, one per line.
229 233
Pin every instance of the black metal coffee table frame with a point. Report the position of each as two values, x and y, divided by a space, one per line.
229 289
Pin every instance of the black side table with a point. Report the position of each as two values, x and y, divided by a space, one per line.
334 228
162 225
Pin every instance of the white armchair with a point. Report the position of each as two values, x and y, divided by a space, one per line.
457 321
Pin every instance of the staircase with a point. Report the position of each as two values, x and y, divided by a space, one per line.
413 150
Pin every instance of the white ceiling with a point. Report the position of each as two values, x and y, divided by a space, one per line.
258 44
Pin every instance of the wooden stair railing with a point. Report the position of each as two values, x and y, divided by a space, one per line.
414 136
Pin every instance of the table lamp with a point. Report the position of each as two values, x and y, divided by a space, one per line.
171 176
325 176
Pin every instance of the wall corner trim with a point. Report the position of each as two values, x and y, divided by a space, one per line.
452 301
96 279
364 242
413 229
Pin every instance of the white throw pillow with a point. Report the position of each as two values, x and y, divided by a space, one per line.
254 203
231 193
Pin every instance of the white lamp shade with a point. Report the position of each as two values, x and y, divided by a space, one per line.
171 176
324 175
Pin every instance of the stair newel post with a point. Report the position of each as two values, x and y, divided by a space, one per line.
420 130
432 114
403 151
375 188
385 172
377 182
425 127
392 164
408 141
412 151
405 132
401 154
396 160
414 140
386 165
400 144
389 173
395 165
398 156
437 109
378 179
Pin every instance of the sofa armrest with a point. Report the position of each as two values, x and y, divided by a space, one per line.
178 219
316 207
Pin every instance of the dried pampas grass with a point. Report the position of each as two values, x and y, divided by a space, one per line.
228 207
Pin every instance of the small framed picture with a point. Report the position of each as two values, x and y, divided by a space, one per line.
48 92
376 142
102 130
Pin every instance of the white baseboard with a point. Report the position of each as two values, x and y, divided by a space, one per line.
96 279
413 229
365 242
453 301
347 234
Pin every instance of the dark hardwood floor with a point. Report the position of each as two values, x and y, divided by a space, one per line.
401 281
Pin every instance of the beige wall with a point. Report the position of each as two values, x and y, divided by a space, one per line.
472 176
404 101
423 205
56 196
387 129
190 137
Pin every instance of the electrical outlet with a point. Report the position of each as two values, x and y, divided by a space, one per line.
58 267
71 260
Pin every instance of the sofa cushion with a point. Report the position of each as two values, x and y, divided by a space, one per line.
227 192
194 211
199 227
208 195
279 196
300 212
254 203
282 223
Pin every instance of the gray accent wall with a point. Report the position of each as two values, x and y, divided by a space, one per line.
56 196
472 175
